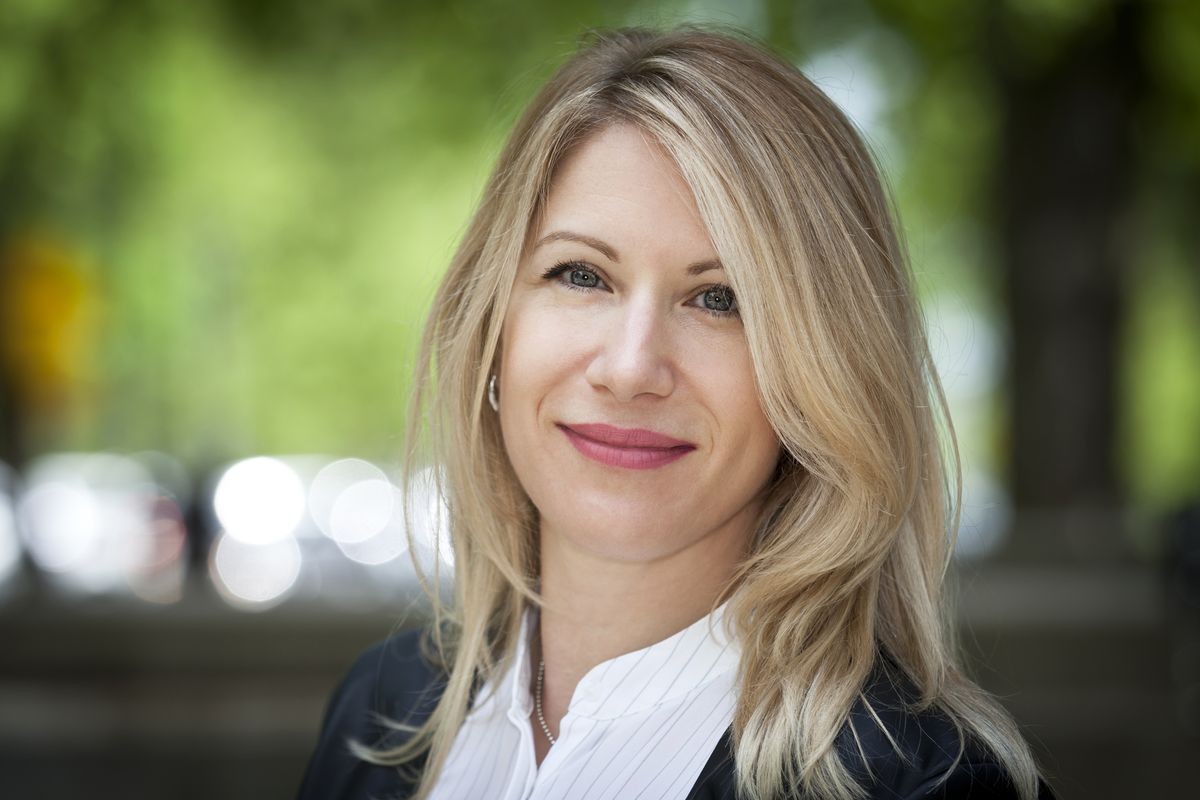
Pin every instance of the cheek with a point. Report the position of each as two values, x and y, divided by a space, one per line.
538 349
731 388
755 450
540 353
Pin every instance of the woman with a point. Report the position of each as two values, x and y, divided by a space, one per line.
679 393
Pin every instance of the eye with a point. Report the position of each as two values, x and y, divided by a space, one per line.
574 275
583 277
719 301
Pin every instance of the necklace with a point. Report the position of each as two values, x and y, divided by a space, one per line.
538 702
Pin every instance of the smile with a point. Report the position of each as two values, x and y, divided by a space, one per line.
627 448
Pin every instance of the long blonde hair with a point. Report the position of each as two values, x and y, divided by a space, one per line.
851 552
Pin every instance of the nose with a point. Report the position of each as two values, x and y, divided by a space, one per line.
634 356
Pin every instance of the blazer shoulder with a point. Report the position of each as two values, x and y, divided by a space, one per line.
390 681
394 678
900 751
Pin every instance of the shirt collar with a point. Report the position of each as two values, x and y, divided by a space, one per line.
637 681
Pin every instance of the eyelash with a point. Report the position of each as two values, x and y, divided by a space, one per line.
567 266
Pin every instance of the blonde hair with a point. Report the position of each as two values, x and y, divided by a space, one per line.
851 552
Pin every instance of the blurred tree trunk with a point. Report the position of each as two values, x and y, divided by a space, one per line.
12 407
1064 194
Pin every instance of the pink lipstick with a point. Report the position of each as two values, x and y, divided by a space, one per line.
632 448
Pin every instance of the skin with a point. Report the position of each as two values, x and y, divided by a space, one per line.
629 557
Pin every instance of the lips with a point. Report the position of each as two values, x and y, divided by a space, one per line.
631 448
627 437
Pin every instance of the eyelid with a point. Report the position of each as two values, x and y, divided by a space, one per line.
562 267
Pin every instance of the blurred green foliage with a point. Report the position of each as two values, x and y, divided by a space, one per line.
267 192
262 195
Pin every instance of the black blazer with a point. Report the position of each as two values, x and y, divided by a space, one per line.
392 679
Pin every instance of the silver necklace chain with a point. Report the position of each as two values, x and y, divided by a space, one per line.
538 702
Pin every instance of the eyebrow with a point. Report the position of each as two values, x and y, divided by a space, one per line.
610 252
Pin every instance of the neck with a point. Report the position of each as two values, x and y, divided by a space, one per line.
596 608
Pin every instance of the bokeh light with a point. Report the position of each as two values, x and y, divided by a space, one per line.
351 500
62 525
362 511
254 576
98 522
259 500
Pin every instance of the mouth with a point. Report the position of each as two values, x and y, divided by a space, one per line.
628 448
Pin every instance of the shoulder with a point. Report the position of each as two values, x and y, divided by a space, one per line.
389 681
929 758
394 678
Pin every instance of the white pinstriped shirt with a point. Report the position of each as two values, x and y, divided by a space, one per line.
641 725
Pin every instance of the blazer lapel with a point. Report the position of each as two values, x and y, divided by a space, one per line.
716 781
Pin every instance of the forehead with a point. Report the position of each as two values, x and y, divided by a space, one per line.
620 183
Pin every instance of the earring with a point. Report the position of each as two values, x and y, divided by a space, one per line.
492 399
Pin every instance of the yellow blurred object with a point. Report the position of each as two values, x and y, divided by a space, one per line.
44 298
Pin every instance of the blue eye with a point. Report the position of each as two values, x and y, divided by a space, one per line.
579 276
584 278
719 299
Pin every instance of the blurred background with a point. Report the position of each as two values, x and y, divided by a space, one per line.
221 224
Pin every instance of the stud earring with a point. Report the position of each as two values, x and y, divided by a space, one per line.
492 399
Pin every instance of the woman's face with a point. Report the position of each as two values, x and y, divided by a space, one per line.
627 399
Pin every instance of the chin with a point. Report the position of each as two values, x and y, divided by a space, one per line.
637 538
620 550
